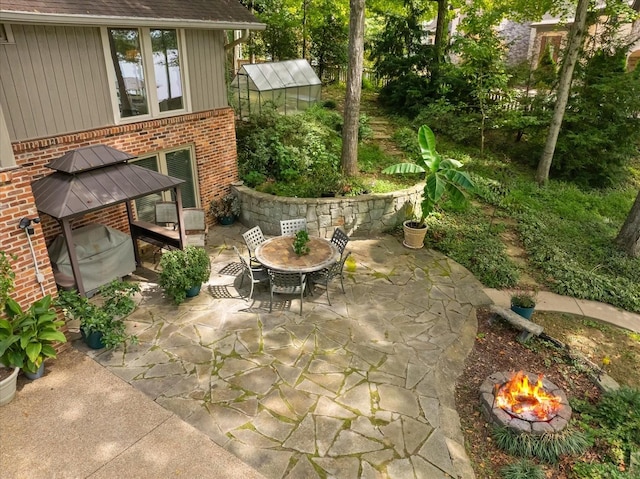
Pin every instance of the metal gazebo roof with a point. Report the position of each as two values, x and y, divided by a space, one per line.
96 177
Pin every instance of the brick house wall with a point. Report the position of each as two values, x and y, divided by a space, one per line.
212 134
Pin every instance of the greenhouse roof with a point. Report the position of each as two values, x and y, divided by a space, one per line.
278 75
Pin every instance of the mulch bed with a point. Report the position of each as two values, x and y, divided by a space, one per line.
497 349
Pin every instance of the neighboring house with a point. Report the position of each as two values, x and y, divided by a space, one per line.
530 40
146 77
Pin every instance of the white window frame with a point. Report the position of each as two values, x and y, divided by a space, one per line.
162 168
149 74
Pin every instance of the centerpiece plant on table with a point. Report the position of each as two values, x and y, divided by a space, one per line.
183 272
301 243
442 175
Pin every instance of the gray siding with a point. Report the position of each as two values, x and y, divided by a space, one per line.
53 80
205 57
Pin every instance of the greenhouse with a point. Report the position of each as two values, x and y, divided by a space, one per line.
290 86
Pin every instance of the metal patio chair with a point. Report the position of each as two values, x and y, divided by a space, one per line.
253 238
340 240
286 283
195 226
326 275
255 275
291 227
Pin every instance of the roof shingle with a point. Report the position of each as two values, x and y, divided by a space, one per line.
209 11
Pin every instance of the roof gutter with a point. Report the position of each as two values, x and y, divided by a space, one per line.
115 21
243 39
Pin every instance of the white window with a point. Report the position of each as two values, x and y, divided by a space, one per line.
178 163
146 72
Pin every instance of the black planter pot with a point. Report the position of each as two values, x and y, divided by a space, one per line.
193 291
93 340
524 312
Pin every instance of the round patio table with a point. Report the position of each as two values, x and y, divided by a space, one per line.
277 253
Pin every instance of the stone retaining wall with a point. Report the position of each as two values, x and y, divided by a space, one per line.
357 215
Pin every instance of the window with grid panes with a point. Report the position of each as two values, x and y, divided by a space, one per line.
176 163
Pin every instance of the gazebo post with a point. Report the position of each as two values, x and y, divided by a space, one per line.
73 258
181 229
136 252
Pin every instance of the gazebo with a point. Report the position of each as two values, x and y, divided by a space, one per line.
95 177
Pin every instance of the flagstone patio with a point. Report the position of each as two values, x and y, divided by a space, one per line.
364 388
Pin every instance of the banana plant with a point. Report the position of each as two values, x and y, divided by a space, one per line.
442 175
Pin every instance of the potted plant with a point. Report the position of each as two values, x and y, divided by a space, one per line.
101 324
226 209
36 330
183 272
523 303
442 175
8 372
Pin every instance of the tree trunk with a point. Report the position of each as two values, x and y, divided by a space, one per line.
438 41
629 237
354 89
576 35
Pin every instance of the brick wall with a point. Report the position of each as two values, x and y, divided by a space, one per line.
212 133
16 202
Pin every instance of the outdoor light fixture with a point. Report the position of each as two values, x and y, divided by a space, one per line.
25 224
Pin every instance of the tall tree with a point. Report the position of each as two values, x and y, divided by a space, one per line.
576 35
441 23
354 89
629 237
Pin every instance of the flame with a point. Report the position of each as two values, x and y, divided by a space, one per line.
522 398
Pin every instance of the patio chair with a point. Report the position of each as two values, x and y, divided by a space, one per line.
286 283
255 275
253 238
166 213
325 276
291 227
195 226
340 240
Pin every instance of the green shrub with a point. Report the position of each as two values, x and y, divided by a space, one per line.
330 104
254 178
545 447
466 239
583 470
614 423
523 469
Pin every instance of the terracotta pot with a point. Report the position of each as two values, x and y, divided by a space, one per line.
414 237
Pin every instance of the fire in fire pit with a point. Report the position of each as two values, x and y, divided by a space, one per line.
529 402
524 402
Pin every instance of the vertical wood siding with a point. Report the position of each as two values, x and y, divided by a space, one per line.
53 81
205 57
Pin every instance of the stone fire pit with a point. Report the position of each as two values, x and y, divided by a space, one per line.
523 423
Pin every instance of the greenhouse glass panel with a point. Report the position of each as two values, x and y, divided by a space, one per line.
290 86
